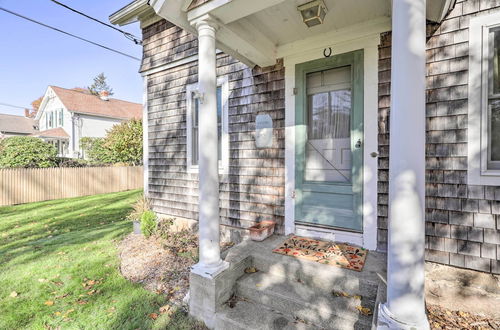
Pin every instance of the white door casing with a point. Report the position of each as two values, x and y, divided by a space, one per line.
369 43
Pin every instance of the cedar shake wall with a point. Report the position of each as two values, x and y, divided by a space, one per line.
462 221
253 189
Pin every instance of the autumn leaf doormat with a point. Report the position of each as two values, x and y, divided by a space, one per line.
335 254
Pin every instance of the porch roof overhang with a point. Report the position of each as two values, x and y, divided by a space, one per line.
258 32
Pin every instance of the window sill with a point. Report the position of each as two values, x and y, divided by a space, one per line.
484 178
195 170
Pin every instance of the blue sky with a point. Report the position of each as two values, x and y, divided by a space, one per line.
33 57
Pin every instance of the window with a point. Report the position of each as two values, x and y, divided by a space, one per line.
51 119
61 117
484 101
192 106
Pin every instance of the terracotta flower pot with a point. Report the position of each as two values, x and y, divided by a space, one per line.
262 230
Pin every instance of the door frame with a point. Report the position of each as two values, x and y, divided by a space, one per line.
354 59
369 44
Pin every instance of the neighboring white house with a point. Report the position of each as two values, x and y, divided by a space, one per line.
65 116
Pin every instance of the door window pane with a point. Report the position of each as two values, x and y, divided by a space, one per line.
328 146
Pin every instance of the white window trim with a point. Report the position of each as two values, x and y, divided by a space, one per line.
222 82
477 132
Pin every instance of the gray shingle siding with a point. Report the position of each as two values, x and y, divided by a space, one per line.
253 188
462 222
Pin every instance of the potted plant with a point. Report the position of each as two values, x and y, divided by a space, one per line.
141 206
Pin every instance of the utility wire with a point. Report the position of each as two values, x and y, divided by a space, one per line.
14 106
69 34
129 36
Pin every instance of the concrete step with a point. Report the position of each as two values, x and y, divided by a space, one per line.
324 277
247 315
315 306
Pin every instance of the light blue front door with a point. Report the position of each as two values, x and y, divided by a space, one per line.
329 142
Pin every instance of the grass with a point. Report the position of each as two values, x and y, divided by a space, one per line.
59 268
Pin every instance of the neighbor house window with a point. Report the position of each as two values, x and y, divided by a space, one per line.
484 101
61 117
192 119
50 116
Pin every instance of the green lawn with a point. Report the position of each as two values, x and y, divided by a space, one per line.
59 268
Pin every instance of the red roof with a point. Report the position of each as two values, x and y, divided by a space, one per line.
52 133
93 105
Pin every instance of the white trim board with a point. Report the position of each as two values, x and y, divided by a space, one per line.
477 131
145 136
369 44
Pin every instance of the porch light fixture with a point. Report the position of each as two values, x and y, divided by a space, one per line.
313 13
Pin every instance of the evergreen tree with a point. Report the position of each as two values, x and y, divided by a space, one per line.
100 85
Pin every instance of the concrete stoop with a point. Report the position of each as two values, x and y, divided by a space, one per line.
291 293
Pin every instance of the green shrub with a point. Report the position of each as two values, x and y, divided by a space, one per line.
124 142
95 151
26 151
148 223
121 145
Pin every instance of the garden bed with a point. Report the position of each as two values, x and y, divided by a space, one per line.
157 267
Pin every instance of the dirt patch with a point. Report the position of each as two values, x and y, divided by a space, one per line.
153 264
465 290
442 318
461 298
161 263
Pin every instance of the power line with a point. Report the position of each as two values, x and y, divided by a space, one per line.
14 106
69 34
129 36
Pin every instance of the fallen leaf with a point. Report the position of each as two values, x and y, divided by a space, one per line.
364 310
165 309
49 303
41 280
340 294
153 316
250 270
57 313
13 294
357 297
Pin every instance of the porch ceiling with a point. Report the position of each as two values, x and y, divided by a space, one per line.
282 23
257 31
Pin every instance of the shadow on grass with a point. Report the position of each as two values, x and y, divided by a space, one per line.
51 226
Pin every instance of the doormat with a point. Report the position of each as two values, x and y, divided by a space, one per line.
335 254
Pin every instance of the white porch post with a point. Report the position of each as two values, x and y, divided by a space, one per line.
210 263
405 306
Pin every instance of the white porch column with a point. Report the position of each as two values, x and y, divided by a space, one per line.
405 306
210 263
